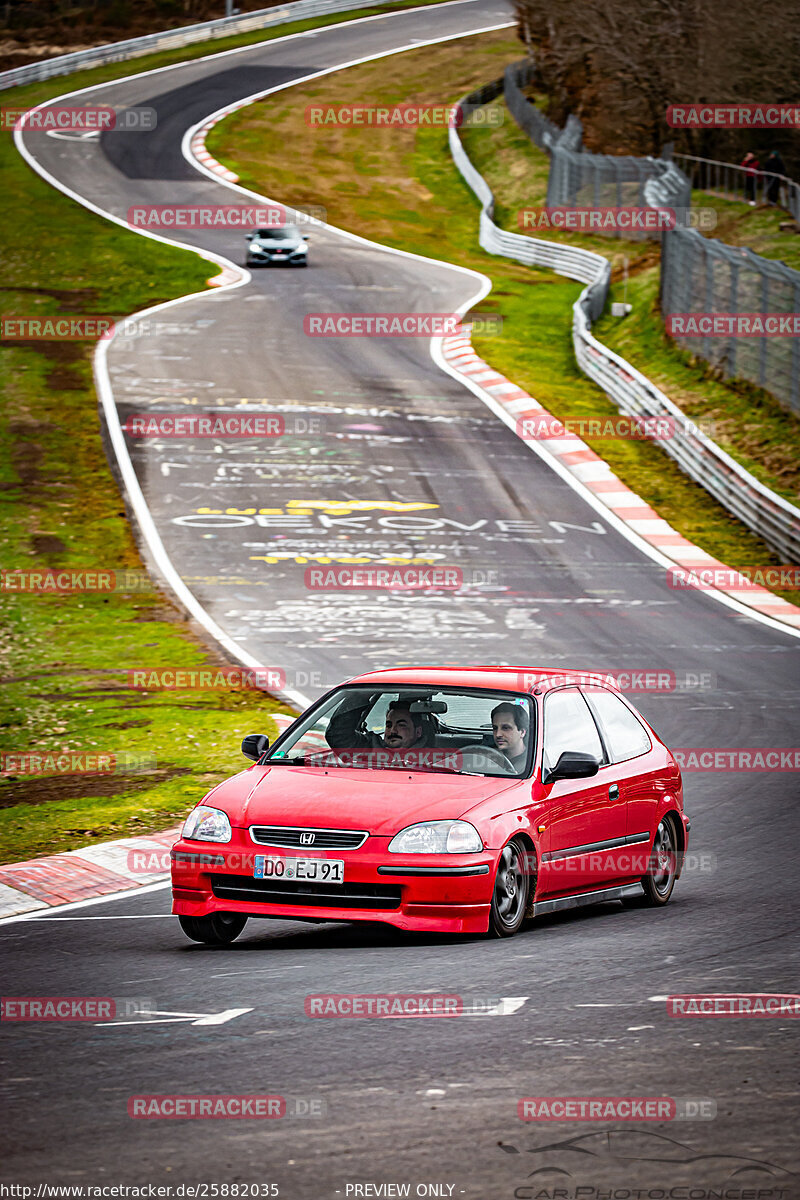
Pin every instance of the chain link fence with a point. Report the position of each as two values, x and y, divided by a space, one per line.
739 183
704 276
580 179
699 275
759 508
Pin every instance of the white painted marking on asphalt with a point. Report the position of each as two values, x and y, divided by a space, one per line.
221 1018
146 522
43 915
123 917
166 1018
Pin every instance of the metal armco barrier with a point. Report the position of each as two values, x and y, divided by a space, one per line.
579 178
171 39
759 509
698 274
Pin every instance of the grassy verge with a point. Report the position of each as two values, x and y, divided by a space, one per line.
745 420
401 188
65 659
36 93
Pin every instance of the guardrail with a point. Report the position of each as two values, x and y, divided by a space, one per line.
582 179
756 506
171 39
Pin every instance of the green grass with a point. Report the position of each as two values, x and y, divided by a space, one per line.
401 188
36 93
756 228
64 659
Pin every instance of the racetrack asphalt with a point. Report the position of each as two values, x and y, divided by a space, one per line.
417 1101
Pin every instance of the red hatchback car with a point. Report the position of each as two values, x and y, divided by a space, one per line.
456 800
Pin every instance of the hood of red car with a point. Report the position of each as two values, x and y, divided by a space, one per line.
381 802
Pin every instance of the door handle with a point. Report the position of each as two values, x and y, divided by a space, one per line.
613 792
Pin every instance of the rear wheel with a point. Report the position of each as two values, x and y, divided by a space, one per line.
510 896
662 870
220 929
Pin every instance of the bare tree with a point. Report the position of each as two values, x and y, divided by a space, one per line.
619 65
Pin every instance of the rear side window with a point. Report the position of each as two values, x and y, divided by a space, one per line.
624 736
568 725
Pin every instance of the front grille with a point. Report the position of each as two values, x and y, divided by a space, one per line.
324 839
313 895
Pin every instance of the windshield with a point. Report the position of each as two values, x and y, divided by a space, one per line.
465 732
285 233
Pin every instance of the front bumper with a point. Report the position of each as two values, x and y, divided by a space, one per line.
437 894
264 260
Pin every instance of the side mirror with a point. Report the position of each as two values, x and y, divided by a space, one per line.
254 745
572 765
248 237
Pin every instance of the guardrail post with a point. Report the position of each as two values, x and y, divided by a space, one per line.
731 347
794 381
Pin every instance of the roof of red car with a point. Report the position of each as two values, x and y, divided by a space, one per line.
513 679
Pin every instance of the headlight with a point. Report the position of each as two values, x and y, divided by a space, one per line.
437 837
206 824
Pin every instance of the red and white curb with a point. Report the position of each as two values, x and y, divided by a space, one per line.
608 491
198 148
208 160
100 870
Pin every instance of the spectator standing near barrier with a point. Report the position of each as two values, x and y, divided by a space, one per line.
751 165
776 166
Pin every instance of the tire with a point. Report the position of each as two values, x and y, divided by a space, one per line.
510 894
220 929
659 881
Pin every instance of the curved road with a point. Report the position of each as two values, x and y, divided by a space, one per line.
412 1102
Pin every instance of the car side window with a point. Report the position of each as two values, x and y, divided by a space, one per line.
623 734
568 725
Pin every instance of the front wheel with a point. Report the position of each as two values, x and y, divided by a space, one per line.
220 929
510 896
662 870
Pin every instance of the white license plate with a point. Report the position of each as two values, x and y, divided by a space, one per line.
311 870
